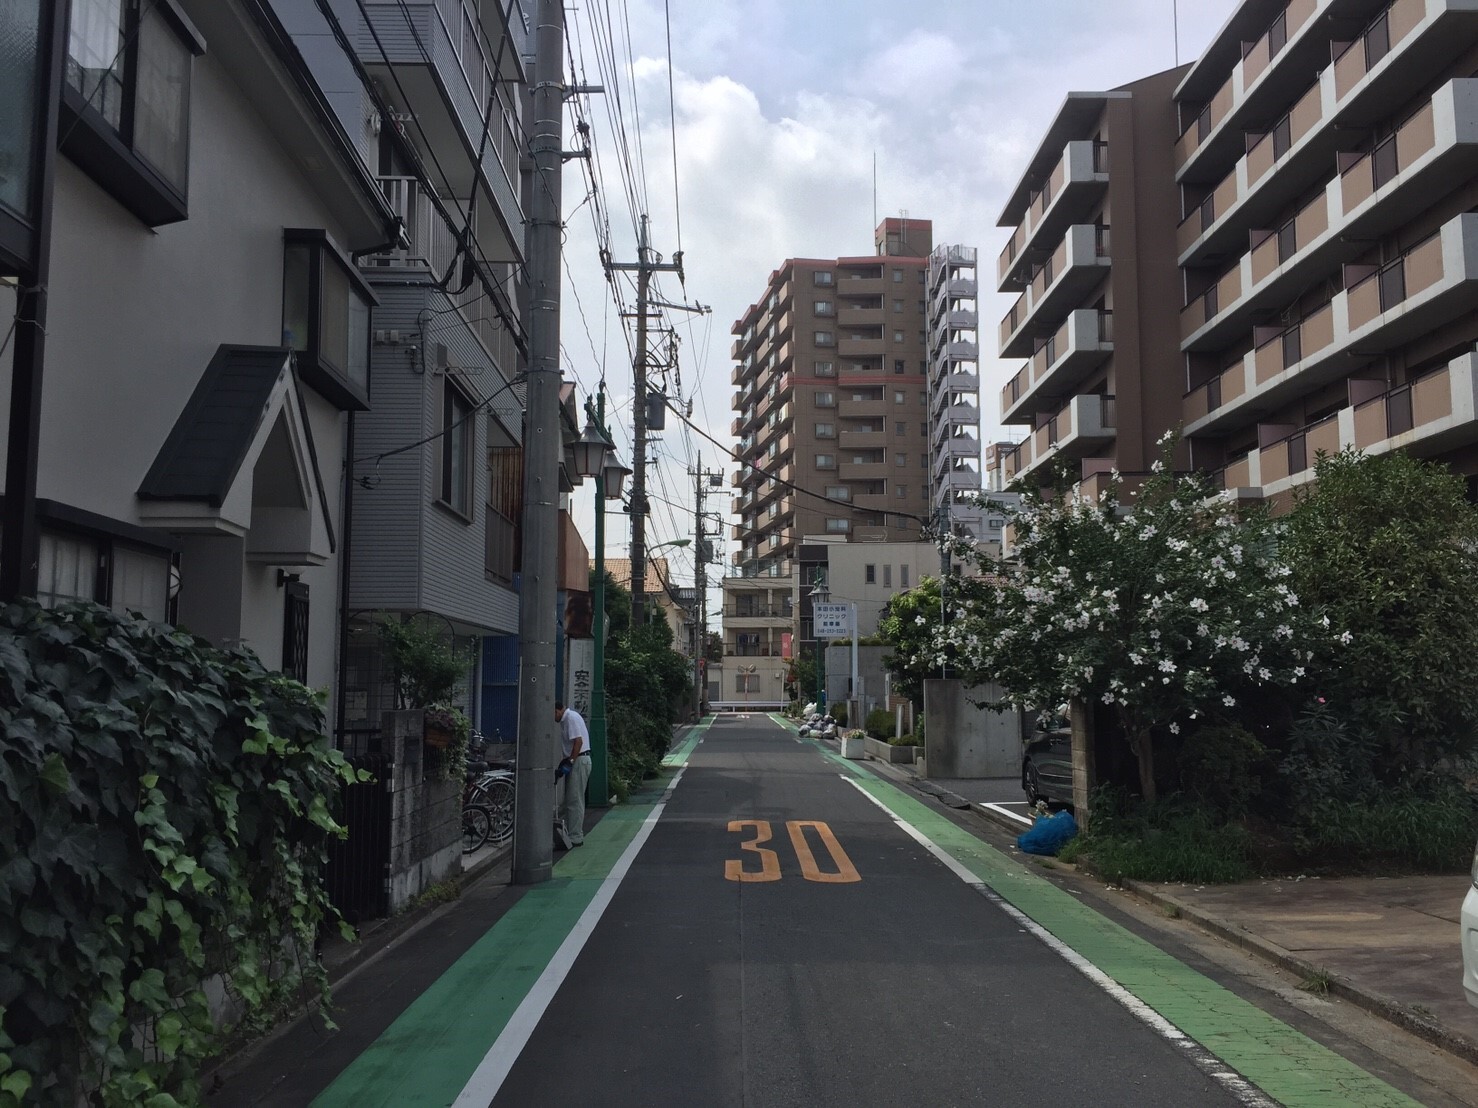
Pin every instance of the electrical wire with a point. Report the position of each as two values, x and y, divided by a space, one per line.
482 405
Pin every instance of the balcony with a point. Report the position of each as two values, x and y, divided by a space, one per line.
959 447
433 242
1085 424
1434 413
1064 361
1383 308
422 73
1265 77
849 346
1377 192
1072 188
960 480
850 284
863 440
872 406
848 316
867 471
1342 101
1076 267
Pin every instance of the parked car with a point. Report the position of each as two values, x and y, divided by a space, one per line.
1047 763
1469 925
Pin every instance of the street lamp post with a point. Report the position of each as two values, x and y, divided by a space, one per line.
595 456
820 594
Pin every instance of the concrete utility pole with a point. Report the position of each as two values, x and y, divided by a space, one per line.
543 443
701 480
645 265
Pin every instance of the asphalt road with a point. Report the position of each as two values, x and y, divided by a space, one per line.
769 925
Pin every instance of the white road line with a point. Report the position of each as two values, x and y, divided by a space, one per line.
1006 812
492 1071
1209 1064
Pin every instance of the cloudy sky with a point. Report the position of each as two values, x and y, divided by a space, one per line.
781 108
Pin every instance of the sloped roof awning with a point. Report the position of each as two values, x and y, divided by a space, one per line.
240 460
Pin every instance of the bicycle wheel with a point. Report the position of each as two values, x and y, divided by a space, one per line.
499 801
477 824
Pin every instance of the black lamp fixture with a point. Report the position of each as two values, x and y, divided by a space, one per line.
593 452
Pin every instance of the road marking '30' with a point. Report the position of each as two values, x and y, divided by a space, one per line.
843 873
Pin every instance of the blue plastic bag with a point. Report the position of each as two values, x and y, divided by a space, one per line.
1048 835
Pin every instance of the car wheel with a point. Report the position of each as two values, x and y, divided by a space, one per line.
1031 784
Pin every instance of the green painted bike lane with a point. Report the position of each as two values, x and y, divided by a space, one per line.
1283 1062
428 1054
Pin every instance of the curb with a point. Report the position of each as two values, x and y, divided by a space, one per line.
1375 1003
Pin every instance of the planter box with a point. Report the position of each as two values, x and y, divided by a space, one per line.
886 752
853 748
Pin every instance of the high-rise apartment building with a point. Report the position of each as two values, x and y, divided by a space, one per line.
954 387
1318 290
1326 164
1092 258
832 425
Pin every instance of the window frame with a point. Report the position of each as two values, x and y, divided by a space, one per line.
109 154
337 383
455 401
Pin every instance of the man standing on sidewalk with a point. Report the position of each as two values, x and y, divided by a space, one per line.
574 738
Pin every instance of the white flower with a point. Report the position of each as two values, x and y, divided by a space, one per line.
1298 671
1167 666
919 620
1175 729
1346 639
1263 673
1229 700
1199 605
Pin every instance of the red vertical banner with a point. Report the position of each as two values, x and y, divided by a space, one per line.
785 644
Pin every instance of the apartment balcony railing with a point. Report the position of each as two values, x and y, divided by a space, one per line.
848 316
1377 192
954 320
1077 265
1069 193
1084 424
758 611
1063 361
863 440
445 77
1380 308
1435 412
433 241
849 346
1256 82
1410 38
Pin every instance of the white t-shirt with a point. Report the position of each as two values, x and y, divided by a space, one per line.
571 727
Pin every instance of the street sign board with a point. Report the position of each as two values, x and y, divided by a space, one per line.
833 621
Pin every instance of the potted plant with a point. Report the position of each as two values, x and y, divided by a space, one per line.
447 730
426 670
854 743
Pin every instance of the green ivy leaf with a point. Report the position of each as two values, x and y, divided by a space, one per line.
54 775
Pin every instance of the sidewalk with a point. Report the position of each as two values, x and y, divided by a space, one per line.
1387 944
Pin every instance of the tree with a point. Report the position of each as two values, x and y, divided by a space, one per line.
1168 610
910 624
801 677
715 650
1387 547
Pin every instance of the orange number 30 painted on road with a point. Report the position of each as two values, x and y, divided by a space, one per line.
843 873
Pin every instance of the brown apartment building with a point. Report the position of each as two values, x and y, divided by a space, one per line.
1330 247
1092 260
1323 165
831 371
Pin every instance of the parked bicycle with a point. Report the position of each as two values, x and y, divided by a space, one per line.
487 803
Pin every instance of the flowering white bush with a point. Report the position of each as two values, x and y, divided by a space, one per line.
1172 609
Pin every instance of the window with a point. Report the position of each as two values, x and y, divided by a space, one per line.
902 491
823 307
101 568
903 577
897 336
822 277
457 434
824 338
923 399
900 397
326 318
824 369
924 429
826 430
995 523
826 400
126 103
898 276
869 575
838 526
747 683
21 64
898 305
900 429
826 461
900 459
898 365
923 461
887 577
838 492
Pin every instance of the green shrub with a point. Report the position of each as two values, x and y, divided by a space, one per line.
907 740
1428 829
1220 766
918 729
1169 840
168 818
879 723
838 712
